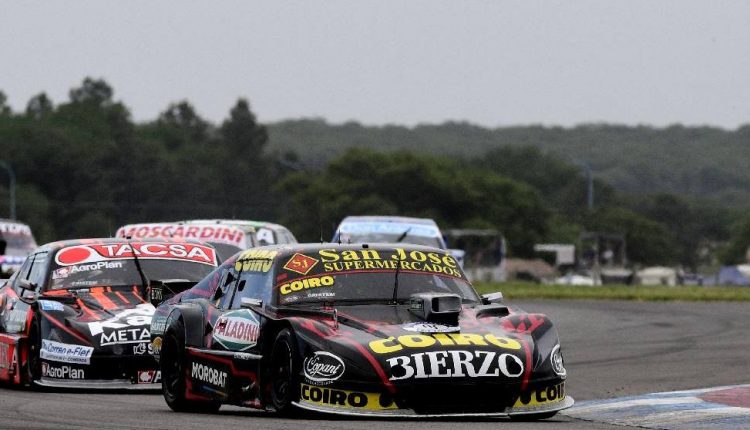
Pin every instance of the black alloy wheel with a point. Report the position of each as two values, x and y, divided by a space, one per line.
172 364
284 384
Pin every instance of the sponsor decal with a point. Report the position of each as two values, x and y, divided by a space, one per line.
323 368
237 330
65 353
389 228
255 260
395 344
455 364
209 233
62 372
542 396
265 236
370 259
4 356
209 375
64 272
80 254
50 305
128 326
303 284
557 361
243 356
300 263
158 324
143 348
148 377
321 295
428 327
332 397
156 345
15 229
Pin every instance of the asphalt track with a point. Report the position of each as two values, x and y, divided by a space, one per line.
611 349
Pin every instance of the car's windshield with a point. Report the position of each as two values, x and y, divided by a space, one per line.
91 265
363 275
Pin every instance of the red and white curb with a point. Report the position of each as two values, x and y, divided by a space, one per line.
711 408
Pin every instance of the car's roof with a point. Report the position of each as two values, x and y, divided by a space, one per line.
388 218
237 222
56 246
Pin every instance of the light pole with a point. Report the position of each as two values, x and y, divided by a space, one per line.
12 186
589 182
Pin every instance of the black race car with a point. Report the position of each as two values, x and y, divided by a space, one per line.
376 330
77 314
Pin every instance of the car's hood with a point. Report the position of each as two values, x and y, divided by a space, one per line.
112 320
400 347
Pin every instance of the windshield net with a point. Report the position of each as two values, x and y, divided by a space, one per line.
333 275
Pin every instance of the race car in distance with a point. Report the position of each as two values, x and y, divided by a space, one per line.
393 229
77 314
375 330
16 241
228 240
266 233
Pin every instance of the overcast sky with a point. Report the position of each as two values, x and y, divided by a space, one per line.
406 62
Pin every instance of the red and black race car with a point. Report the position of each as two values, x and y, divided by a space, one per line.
77 314
376 330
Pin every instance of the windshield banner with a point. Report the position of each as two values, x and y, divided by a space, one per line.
74 255
210 233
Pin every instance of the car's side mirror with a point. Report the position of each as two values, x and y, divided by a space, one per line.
249 303
491 298
25 284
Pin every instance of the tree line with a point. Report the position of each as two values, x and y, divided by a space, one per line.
84 167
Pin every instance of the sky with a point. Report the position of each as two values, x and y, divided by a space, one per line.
493 63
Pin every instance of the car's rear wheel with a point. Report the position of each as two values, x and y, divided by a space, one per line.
33 360
283 373
172 362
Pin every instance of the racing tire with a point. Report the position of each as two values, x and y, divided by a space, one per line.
172 363
33 358
533 417
284 367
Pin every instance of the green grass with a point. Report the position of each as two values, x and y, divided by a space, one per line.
526 290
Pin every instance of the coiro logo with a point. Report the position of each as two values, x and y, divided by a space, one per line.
323 367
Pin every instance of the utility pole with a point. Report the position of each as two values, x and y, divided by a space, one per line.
12 187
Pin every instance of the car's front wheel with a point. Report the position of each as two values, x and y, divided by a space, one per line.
172 361
33 360
284 383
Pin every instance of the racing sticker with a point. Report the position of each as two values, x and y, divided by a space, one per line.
557 361
127 326
255 260
209 375
455 364
389 228
62 372
331 397
148 377
428 327
436 340
211 233
542 396
370 259
80 254
306 283
50 305
237 330
322 368
65 353
300 263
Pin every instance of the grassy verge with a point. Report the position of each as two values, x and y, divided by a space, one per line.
524 290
